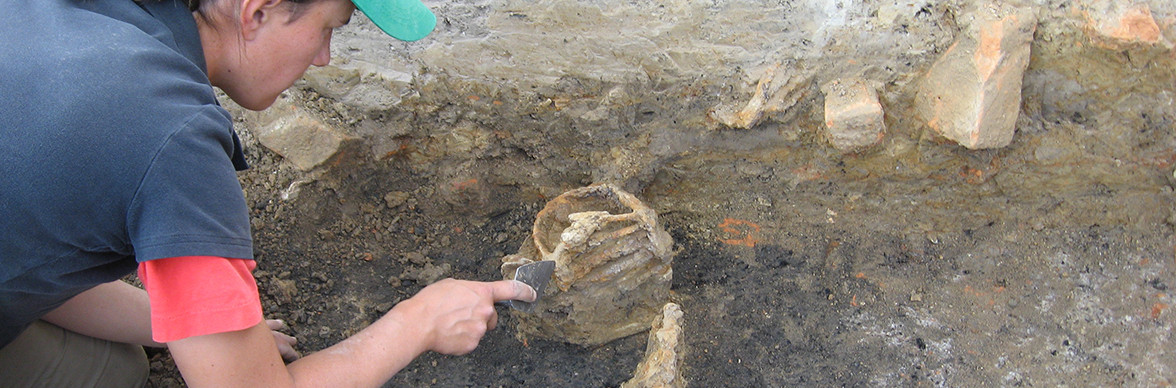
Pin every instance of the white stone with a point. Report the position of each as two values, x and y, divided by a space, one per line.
854 118
972 94
300 138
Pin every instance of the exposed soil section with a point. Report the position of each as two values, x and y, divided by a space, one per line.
913 262
788 275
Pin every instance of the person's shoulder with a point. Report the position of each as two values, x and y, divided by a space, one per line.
106 47
112 74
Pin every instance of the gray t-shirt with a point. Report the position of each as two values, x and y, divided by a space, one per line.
113 150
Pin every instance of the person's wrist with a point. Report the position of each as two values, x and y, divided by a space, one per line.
404 322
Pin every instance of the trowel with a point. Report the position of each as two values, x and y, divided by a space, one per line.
535 274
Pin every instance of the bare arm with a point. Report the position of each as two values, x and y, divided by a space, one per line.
115 311
120 312
449 317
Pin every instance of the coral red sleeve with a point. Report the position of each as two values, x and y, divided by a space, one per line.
198 295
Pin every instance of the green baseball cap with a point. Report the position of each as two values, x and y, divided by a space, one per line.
407 20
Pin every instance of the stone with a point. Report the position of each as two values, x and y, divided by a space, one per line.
283 290
664 353
612 273
362 85
395 199
331 81
476 193
854 119
775 91
300 138
427 274
972 93
1117 25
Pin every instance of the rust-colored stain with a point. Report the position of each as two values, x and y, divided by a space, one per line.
972 175
403 148
987 297
977 176
1158 309
466 184
740 232
808 172
989 53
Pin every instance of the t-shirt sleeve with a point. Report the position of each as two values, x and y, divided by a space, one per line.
198 295
189 201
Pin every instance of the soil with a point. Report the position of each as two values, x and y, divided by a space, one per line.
945 268
914 263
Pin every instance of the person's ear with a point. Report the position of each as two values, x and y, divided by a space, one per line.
256 14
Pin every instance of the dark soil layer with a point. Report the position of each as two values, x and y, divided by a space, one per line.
936 281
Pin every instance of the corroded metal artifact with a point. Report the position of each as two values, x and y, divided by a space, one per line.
612 273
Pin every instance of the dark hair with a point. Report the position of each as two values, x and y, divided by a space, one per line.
194 6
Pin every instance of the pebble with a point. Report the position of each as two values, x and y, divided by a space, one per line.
415 258
395 199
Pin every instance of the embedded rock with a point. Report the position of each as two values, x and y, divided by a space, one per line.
1117 25
972 94
612 273
775 92
301 138
331 81
853 115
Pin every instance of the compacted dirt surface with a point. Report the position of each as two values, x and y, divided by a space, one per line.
945 268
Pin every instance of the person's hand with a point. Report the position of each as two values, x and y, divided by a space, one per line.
285 342
455 314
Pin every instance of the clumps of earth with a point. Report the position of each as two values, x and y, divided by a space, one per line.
421 270
419 267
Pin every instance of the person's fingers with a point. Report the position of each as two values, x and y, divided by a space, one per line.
276 324
512 290
286 346
284 341
289 354
285 338
493 321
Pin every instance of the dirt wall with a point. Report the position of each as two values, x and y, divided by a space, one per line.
580 92
911 260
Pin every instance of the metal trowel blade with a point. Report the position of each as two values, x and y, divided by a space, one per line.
537 275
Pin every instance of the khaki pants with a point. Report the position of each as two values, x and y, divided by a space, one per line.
46 355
